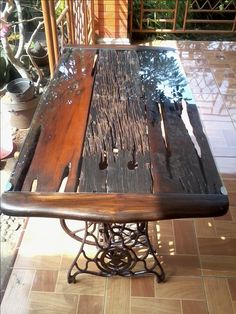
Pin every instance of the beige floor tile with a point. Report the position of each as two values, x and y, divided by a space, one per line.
232 198
155 306
226 166
233 212
234 306
225 228
41 245
51 262
217 246
117 296
181 265
185 240
164 245
221 137
90 304
218 296
185 288
165 228
52 303
205 227
45 280
86 284
222 266
202 82
194 307
232 288
15 300
142 287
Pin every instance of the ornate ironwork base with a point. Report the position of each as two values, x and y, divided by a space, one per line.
121 249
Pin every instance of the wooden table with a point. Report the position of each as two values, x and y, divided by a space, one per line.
116 142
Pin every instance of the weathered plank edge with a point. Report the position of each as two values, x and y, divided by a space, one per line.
114 207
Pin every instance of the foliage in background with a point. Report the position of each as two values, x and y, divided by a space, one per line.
154 20
20 20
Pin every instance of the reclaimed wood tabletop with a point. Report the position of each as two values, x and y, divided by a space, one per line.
116 137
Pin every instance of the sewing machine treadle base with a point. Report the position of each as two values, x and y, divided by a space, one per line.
121 249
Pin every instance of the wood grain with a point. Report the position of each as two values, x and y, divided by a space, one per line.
62 111
116 150
113 207
116 120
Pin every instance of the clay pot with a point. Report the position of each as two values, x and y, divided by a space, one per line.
20 89
21 113
20 102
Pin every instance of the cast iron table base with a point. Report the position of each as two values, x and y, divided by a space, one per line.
122 249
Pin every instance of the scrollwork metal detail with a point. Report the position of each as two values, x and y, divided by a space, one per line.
120 249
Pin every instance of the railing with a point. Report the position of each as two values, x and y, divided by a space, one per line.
176 16
73 26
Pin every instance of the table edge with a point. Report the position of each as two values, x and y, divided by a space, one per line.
114 207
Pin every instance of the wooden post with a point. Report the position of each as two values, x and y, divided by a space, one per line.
185 16
72 21
54 29
141 16
85 22
175 14
48 34
131 17
92 22
68 20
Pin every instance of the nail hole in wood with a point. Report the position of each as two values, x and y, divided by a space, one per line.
103 161
132 165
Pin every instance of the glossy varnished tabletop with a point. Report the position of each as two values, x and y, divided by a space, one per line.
116 137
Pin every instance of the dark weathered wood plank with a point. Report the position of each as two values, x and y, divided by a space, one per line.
176 164
116 134
207 163
114 207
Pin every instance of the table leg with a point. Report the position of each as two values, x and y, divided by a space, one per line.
121 249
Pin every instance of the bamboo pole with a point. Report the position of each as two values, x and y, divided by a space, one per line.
85 21
54 29
175 14
68 20
185 16
92 22
48 34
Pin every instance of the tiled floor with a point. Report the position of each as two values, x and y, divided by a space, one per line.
198 255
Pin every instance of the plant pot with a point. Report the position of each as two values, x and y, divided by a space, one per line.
20 89
6 142
41 61
39 54
21 112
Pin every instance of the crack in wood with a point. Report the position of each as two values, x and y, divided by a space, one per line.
120 126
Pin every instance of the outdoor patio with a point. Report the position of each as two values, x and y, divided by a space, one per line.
198 255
